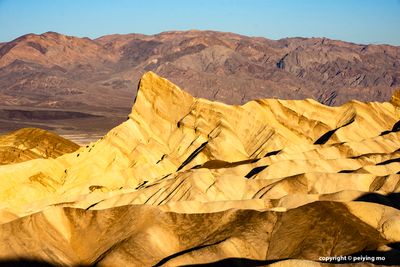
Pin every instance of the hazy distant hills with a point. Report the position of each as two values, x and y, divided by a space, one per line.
100 76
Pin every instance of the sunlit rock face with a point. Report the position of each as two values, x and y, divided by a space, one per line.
186 180
396 98
32 143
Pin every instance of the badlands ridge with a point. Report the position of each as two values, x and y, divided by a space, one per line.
30 143
187 181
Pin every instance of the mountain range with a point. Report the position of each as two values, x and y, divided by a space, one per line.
87 85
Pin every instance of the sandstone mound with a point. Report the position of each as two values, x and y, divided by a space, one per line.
32 143
188 181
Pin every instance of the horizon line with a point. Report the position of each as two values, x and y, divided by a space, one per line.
199 30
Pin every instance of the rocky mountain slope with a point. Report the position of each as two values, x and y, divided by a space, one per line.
55 71
187 181
30 143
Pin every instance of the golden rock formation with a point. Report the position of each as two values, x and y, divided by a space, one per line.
32 143
189 181
396 98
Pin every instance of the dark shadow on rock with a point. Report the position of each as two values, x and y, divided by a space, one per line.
219 164
170 257
193 155
388 161
396 128
346 171
391 200
326 136
272 153
255 171
234 262
395 245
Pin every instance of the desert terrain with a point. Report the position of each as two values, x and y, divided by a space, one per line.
186 181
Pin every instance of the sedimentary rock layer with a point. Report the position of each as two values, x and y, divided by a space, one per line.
30 143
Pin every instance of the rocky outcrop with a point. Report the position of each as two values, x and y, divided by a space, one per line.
30 143
186 181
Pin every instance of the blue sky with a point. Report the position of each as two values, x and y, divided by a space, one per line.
359 21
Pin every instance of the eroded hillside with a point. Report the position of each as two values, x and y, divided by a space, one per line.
186 180
30 143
